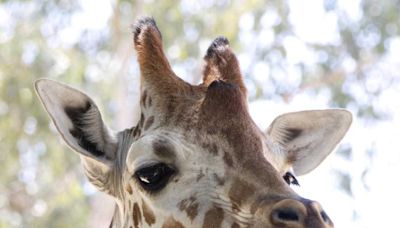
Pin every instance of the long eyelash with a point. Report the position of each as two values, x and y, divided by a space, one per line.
290 179
295 181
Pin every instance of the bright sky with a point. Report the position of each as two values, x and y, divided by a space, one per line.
94 16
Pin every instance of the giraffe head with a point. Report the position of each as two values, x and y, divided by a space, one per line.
196 158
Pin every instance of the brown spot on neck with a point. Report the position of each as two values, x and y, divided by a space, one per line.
172 223
148 214
213 217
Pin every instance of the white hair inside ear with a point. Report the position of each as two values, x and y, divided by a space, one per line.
78 120
306 138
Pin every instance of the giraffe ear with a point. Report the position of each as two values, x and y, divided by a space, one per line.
308 137
79 122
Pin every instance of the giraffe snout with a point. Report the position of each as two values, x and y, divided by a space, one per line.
295 213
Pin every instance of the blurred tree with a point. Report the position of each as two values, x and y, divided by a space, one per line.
88 44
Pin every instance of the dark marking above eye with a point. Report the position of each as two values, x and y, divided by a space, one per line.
163 148
291 133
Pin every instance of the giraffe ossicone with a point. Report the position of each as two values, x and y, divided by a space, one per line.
196 158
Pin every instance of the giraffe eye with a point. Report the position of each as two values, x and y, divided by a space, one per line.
290 179
155 177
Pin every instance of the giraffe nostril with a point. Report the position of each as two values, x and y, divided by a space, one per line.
286 214
324 216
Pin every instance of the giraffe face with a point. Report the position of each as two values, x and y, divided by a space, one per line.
196 158
220 163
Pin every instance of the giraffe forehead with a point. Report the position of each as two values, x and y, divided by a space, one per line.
151 148
200 108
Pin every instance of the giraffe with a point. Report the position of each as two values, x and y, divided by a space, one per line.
195 157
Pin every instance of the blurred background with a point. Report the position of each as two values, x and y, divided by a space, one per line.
295 55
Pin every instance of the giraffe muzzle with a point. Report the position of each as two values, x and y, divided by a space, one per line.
295 213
